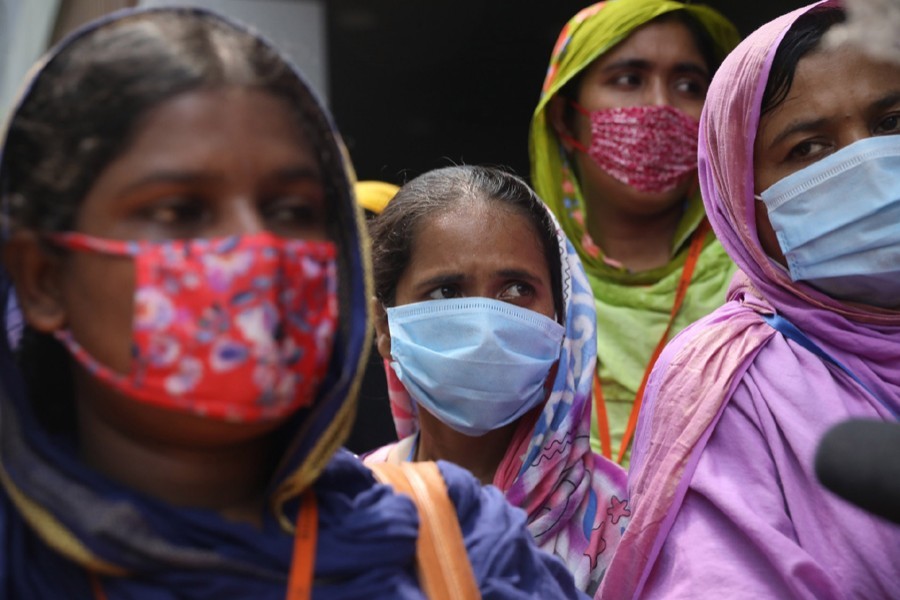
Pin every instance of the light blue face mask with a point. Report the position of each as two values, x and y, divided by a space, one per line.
838 222
476 364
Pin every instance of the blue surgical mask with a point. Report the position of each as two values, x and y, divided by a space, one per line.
838 222
476 364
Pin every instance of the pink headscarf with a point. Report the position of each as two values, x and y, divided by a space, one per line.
712 355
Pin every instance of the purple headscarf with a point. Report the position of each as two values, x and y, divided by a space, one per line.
699 372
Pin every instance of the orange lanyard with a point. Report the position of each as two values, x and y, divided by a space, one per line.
684 282
300 579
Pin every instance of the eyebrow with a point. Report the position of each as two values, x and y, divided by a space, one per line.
518 274
298 173
172 177
809 125
798 126
887 100
642 64
442 279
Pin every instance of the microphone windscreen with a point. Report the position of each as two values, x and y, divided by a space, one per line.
860 461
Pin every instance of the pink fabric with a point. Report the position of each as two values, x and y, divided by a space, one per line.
719 358
651 148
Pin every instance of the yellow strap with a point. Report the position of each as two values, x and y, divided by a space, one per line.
442 561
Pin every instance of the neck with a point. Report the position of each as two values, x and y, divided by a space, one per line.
638 242
479 455
228 478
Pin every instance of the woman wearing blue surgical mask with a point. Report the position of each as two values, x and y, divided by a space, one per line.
486 322
191 268
800 172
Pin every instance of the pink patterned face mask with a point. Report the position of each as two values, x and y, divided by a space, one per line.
650 148
236 329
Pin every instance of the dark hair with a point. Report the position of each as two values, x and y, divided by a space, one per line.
83 110
394 230
702 38
802 38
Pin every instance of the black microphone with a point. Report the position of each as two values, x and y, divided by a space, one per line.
860 461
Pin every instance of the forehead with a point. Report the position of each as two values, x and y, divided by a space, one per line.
476 230
666 39
836 85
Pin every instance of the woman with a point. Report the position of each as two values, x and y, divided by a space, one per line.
613 152
726 500
189 263
487 326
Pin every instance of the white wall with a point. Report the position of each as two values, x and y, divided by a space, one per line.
297 27
25 30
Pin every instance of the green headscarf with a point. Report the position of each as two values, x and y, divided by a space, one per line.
632 308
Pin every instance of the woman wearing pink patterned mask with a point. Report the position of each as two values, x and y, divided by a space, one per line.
614 153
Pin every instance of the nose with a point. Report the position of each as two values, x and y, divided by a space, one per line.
240 216
657 93
853 131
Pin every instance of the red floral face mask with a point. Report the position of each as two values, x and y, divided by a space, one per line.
651 148
237 329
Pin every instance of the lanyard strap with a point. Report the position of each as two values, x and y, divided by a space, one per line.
300 581
303 562
687 272
790 331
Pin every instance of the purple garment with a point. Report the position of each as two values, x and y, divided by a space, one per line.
725 501
738 534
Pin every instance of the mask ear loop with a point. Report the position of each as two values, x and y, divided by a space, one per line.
565 137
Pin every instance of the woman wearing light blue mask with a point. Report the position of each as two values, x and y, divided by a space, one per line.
799 166
486 321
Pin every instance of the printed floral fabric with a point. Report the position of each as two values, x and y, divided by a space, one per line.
650 148
253 315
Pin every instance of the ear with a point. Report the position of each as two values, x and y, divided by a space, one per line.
556 116
382 331
35 272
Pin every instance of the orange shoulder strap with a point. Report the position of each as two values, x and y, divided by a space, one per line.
442 561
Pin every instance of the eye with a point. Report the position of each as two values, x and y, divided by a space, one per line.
807 149
291 210
444 292
516 290
692 86
175 212
627 80
889 125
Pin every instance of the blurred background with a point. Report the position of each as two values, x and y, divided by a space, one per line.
413 84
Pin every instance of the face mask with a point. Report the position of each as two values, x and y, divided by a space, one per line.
838 222
650 148
236 329
476 364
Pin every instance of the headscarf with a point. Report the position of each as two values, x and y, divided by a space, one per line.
96 524
716 353
574 499
632 308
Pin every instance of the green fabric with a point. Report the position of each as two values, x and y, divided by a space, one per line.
632 308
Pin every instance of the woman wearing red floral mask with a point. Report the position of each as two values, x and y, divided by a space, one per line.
614 153
190 264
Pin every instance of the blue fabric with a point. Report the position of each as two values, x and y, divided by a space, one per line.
790 331
476 364
851 249
366 549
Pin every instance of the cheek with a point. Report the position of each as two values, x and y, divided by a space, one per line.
694 108
99 298
766 234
